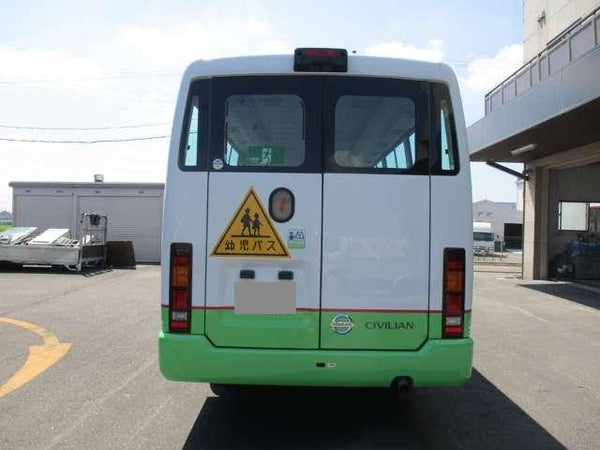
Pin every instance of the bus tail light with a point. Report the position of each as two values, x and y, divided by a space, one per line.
454 293
180 288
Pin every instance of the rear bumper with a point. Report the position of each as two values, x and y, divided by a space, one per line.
193 358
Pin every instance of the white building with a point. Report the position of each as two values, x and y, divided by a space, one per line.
134 210
546 116
506 220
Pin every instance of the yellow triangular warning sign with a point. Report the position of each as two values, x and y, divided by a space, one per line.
250 233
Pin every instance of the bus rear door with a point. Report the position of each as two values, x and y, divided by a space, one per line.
263 274
375 291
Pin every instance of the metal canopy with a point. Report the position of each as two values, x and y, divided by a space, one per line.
574 128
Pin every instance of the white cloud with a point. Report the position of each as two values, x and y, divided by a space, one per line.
33 65
205 37
485 73
432 52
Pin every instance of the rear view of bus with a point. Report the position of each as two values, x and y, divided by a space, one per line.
317 225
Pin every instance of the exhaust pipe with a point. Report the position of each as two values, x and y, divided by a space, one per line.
402 385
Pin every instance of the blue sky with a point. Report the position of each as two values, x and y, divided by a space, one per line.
110 63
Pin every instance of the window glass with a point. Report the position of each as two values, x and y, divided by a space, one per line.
446 137
482 236
190 149
374 132
264 130
594 217
572 216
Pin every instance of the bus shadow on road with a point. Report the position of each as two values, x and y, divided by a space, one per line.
477 415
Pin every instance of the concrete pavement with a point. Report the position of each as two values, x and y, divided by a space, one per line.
535 384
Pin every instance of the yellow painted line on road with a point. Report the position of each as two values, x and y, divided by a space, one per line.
39 358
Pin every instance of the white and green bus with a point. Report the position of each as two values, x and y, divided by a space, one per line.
317 224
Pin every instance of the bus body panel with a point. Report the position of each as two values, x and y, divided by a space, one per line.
224 327
451 212
182 222
450 227
376 259
439 362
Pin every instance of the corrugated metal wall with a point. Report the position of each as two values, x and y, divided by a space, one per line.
133 214
44 211
136 219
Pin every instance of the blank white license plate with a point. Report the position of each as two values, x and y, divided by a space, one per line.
259 297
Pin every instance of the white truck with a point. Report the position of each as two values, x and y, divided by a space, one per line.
483 238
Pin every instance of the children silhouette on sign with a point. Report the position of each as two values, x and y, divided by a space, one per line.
256 225
246 222
253 226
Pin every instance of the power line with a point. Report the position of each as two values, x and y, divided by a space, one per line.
95 141
120 127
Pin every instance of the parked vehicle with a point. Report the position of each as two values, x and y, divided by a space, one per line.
483 238
316 224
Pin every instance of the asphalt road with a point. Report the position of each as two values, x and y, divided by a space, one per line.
536 382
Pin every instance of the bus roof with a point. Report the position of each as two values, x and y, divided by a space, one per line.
357 66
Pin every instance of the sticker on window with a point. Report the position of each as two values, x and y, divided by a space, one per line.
266 156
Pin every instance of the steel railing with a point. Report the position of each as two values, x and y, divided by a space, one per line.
567 47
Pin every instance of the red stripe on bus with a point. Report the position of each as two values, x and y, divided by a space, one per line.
334 309
376 310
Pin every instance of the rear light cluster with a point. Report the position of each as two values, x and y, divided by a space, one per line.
180 288
454 293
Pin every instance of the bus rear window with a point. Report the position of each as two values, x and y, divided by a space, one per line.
194 139
376 132
264 130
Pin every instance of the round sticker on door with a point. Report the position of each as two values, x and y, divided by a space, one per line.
217 164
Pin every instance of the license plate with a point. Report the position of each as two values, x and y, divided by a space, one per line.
259 297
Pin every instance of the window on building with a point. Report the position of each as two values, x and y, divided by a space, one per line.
579 216
594 217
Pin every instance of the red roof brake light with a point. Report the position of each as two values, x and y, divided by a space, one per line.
320 60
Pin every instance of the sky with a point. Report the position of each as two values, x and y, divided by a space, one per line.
108 65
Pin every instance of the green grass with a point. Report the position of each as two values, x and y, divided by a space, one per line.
5 227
